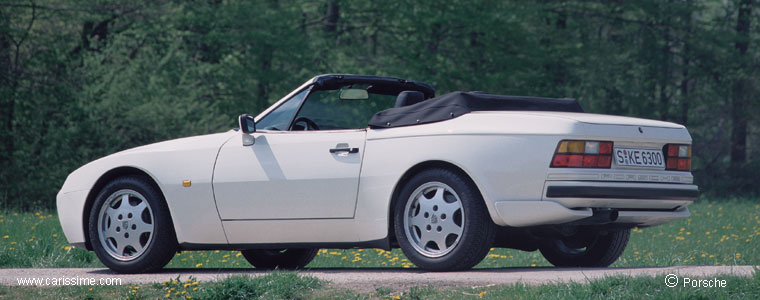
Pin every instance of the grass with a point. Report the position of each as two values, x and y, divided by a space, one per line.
717 233
286 285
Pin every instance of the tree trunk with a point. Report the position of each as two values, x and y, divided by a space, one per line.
7 107
740 93
665 79
265 68
7 97
685 69
332 16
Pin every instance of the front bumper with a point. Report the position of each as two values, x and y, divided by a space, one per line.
70 213
642 204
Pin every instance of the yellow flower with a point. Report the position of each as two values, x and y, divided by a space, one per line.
198 265
738 255
55 235
6 236
67 248
481 294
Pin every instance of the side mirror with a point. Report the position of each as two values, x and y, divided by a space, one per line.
246 123
247 126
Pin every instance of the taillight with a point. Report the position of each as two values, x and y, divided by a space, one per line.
582 154
677 157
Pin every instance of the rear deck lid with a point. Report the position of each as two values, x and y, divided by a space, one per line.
610 120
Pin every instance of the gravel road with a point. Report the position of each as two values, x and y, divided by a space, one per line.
366 280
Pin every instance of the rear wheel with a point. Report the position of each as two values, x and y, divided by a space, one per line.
288 259
130 228
592 250
441 222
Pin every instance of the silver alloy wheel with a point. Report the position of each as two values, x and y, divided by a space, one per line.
434 219
125 225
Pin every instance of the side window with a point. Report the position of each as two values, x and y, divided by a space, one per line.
279 119
326 110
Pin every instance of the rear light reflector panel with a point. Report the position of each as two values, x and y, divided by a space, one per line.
678 157
582 154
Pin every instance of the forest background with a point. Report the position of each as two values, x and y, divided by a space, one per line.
83 79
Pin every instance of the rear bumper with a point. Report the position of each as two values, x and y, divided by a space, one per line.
617 192
642 204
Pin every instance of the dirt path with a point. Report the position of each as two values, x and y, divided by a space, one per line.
365 280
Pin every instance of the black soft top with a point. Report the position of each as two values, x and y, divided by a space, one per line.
455 104
378 84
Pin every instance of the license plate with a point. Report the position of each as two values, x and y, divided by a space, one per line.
639 158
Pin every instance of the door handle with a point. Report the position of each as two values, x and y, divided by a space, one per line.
345 149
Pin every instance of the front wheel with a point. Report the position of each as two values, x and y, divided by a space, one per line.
589 250
288 259
130 226
441 222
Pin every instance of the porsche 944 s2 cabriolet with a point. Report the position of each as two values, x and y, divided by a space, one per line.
347 161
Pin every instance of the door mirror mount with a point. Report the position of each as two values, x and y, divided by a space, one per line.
247 126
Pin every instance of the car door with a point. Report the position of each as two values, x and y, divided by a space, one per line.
305 159
289 175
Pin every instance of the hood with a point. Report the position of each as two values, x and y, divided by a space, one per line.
145 158
199 141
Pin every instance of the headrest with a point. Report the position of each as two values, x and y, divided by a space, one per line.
406 98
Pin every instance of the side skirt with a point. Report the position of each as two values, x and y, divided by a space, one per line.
381 244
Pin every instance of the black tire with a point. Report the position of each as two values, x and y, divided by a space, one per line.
284 259
161 243
601 250
477 229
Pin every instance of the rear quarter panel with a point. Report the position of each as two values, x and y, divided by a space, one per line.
506 156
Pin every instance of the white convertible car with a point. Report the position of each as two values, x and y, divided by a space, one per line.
347 161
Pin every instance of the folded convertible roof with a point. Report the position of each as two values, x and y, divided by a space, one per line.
455 104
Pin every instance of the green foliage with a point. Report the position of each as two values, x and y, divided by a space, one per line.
723 232
80 80
277 285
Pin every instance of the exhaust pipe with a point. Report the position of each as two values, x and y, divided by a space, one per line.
600 216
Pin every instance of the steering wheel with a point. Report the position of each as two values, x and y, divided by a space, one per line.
308 124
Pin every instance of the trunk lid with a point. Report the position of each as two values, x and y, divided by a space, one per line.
610 120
